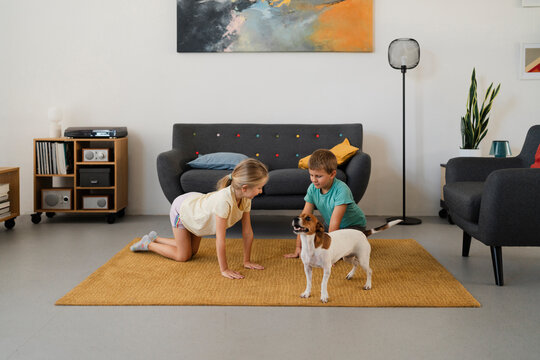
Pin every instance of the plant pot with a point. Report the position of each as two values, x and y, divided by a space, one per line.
470 153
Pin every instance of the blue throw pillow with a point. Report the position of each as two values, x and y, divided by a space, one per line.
217 161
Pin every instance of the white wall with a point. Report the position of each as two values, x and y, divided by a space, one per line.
115 63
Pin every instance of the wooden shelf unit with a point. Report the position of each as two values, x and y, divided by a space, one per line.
118 163
10 175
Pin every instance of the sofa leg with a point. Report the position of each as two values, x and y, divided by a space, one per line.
466 244
496 257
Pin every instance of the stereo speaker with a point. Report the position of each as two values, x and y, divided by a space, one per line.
56 199
95 202
95 154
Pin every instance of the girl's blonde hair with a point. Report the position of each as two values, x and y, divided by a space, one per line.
250 172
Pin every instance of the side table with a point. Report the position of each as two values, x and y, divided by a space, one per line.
10 175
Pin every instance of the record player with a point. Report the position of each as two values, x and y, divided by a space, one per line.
96 132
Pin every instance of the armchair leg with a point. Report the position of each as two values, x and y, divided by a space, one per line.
496 257
466 244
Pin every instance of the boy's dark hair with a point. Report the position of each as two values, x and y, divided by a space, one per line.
323 159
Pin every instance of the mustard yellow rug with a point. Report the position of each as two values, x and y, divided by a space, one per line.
404 274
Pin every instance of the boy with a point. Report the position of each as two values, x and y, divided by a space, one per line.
331 196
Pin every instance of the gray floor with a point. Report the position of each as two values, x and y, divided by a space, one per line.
40 263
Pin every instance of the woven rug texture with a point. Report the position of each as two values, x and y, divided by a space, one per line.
404 275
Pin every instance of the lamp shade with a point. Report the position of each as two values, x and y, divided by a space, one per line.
404 53
500 148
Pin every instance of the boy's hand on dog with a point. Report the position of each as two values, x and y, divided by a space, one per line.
295 254
228 273
250 265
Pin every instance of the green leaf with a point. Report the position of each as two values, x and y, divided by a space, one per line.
474 125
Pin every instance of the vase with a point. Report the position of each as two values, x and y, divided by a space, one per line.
470 153
54 129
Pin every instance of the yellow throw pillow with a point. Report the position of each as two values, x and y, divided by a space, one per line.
343 152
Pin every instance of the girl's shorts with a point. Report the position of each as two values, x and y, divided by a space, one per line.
176 222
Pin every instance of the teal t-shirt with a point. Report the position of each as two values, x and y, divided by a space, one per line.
338 194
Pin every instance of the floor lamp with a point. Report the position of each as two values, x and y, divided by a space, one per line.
404 54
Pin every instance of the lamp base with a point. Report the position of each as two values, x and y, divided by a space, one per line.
406 220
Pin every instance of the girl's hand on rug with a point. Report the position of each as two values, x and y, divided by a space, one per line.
228 273
250 265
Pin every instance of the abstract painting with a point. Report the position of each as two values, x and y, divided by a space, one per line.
274 25
530 61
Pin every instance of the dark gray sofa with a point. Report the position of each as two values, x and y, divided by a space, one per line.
278 146
496 200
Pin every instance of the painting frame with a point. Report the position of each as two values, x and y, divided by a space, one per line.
260 26
529 58
530 3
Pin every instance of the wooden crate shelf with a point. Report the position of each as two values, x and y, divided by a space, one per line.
10 175
117 193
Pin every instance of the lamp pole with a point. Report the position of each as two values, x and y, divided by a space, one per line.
406 220
403 71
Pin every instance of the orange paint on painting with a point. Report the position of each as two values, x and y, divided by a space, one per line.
345 26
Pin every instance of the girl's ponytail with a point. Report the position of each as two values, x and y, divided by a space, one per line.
249 172
224 182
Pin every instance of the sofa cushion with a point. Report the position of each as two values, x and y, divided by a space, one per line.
291 181
343 151
217 161
201 180
464 199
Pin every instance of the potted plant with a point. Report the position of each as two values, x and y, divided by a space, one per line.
474 123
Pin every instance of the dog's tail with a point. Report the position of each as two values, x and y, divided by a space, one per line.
388 225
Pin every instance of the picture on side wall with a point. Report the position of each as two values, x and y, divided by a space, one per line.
530 61
274 25
530 3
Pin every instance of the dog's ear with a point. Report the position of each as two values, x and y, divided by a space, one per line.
319 228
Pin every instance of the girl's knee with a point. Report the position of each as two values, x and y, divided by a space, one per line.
183 257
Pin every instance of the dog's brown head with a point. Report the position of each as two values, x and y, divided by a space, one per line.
309 224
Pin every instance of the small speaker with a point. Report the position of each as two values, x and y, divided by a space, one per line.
56 199
95 202
95 154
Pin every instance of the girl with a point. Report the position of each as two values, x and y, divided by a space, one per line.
194 215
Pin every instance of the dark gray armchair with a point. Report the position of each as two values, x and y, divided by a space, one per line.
496 200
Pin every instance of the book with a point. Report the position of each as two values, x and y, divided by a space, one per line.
4 204
59 156
4 212
3 197
4 189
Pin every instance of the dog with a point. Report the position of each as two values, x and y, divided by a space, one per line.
320 249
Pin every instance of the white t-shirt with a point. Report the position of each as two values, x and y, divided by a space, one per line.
198 213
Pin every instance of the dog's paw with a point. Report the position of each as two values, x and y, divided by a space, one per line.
367 287
349 276
305 294
324 298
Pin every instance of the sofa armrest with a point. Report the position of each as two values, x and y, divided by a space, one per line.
358 170
170 165
477 168
510 208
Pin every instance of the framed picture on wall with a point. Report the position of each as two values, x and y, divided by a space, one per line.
274 25
530 61
530 3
